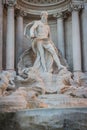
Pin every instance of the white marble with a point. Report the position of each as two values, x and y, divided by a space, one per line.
10 46
42 44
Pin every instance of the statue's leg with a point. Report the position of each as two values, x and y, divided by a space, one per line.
41 52
37 61
51 49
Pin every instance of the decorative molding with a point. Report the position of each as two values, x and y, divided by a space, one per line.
35 9
61 15
76 7
43 2
20 13
58 15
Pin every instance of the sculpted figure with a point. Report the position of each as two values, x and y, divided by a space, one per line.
42 44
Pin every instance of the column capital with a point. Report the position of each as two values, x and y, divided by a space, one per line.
10 3
85 1
20 13
75 7
58 15
85 4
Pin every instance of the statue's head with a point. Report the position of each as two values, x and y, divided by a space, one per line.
44 13
44 16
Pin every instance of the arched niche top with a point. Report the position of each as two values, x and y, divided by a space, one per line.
34 7
43 2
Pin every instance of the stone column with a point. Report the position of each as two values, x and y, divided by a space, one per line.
10 45
1 32
84 36
19 34
60 32
76 41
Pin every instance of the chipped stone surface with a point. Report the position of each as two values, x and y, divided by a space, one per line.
45 119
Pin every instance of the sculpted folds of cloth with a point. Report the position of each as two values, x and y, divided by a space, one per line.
42 45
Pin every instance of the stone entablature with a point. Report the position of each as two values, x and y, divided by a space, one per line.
45 2
35 9
53 6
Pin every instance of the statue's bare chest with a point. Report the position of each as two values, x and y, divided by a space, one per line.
42 28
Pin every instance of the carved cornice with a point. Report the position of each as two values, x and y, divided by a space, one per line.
9 2
43 2
35 9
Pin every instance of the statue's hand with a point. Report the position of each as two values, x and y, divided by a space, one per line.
32 36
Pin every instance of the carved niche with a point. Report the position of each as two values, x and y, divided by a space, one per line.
43 1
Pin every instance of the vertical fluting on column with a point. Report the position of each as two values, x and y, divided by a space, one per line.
76 41
60 33
10 45
1 33
84 36
19 34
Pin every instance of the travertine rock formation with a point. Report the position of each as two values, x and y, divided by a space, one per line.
6 82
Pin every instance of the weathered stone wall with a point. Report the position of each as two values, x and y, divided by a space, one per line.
45 119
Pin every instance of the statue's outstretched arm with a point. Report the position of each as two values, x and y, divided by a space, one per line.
32 29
